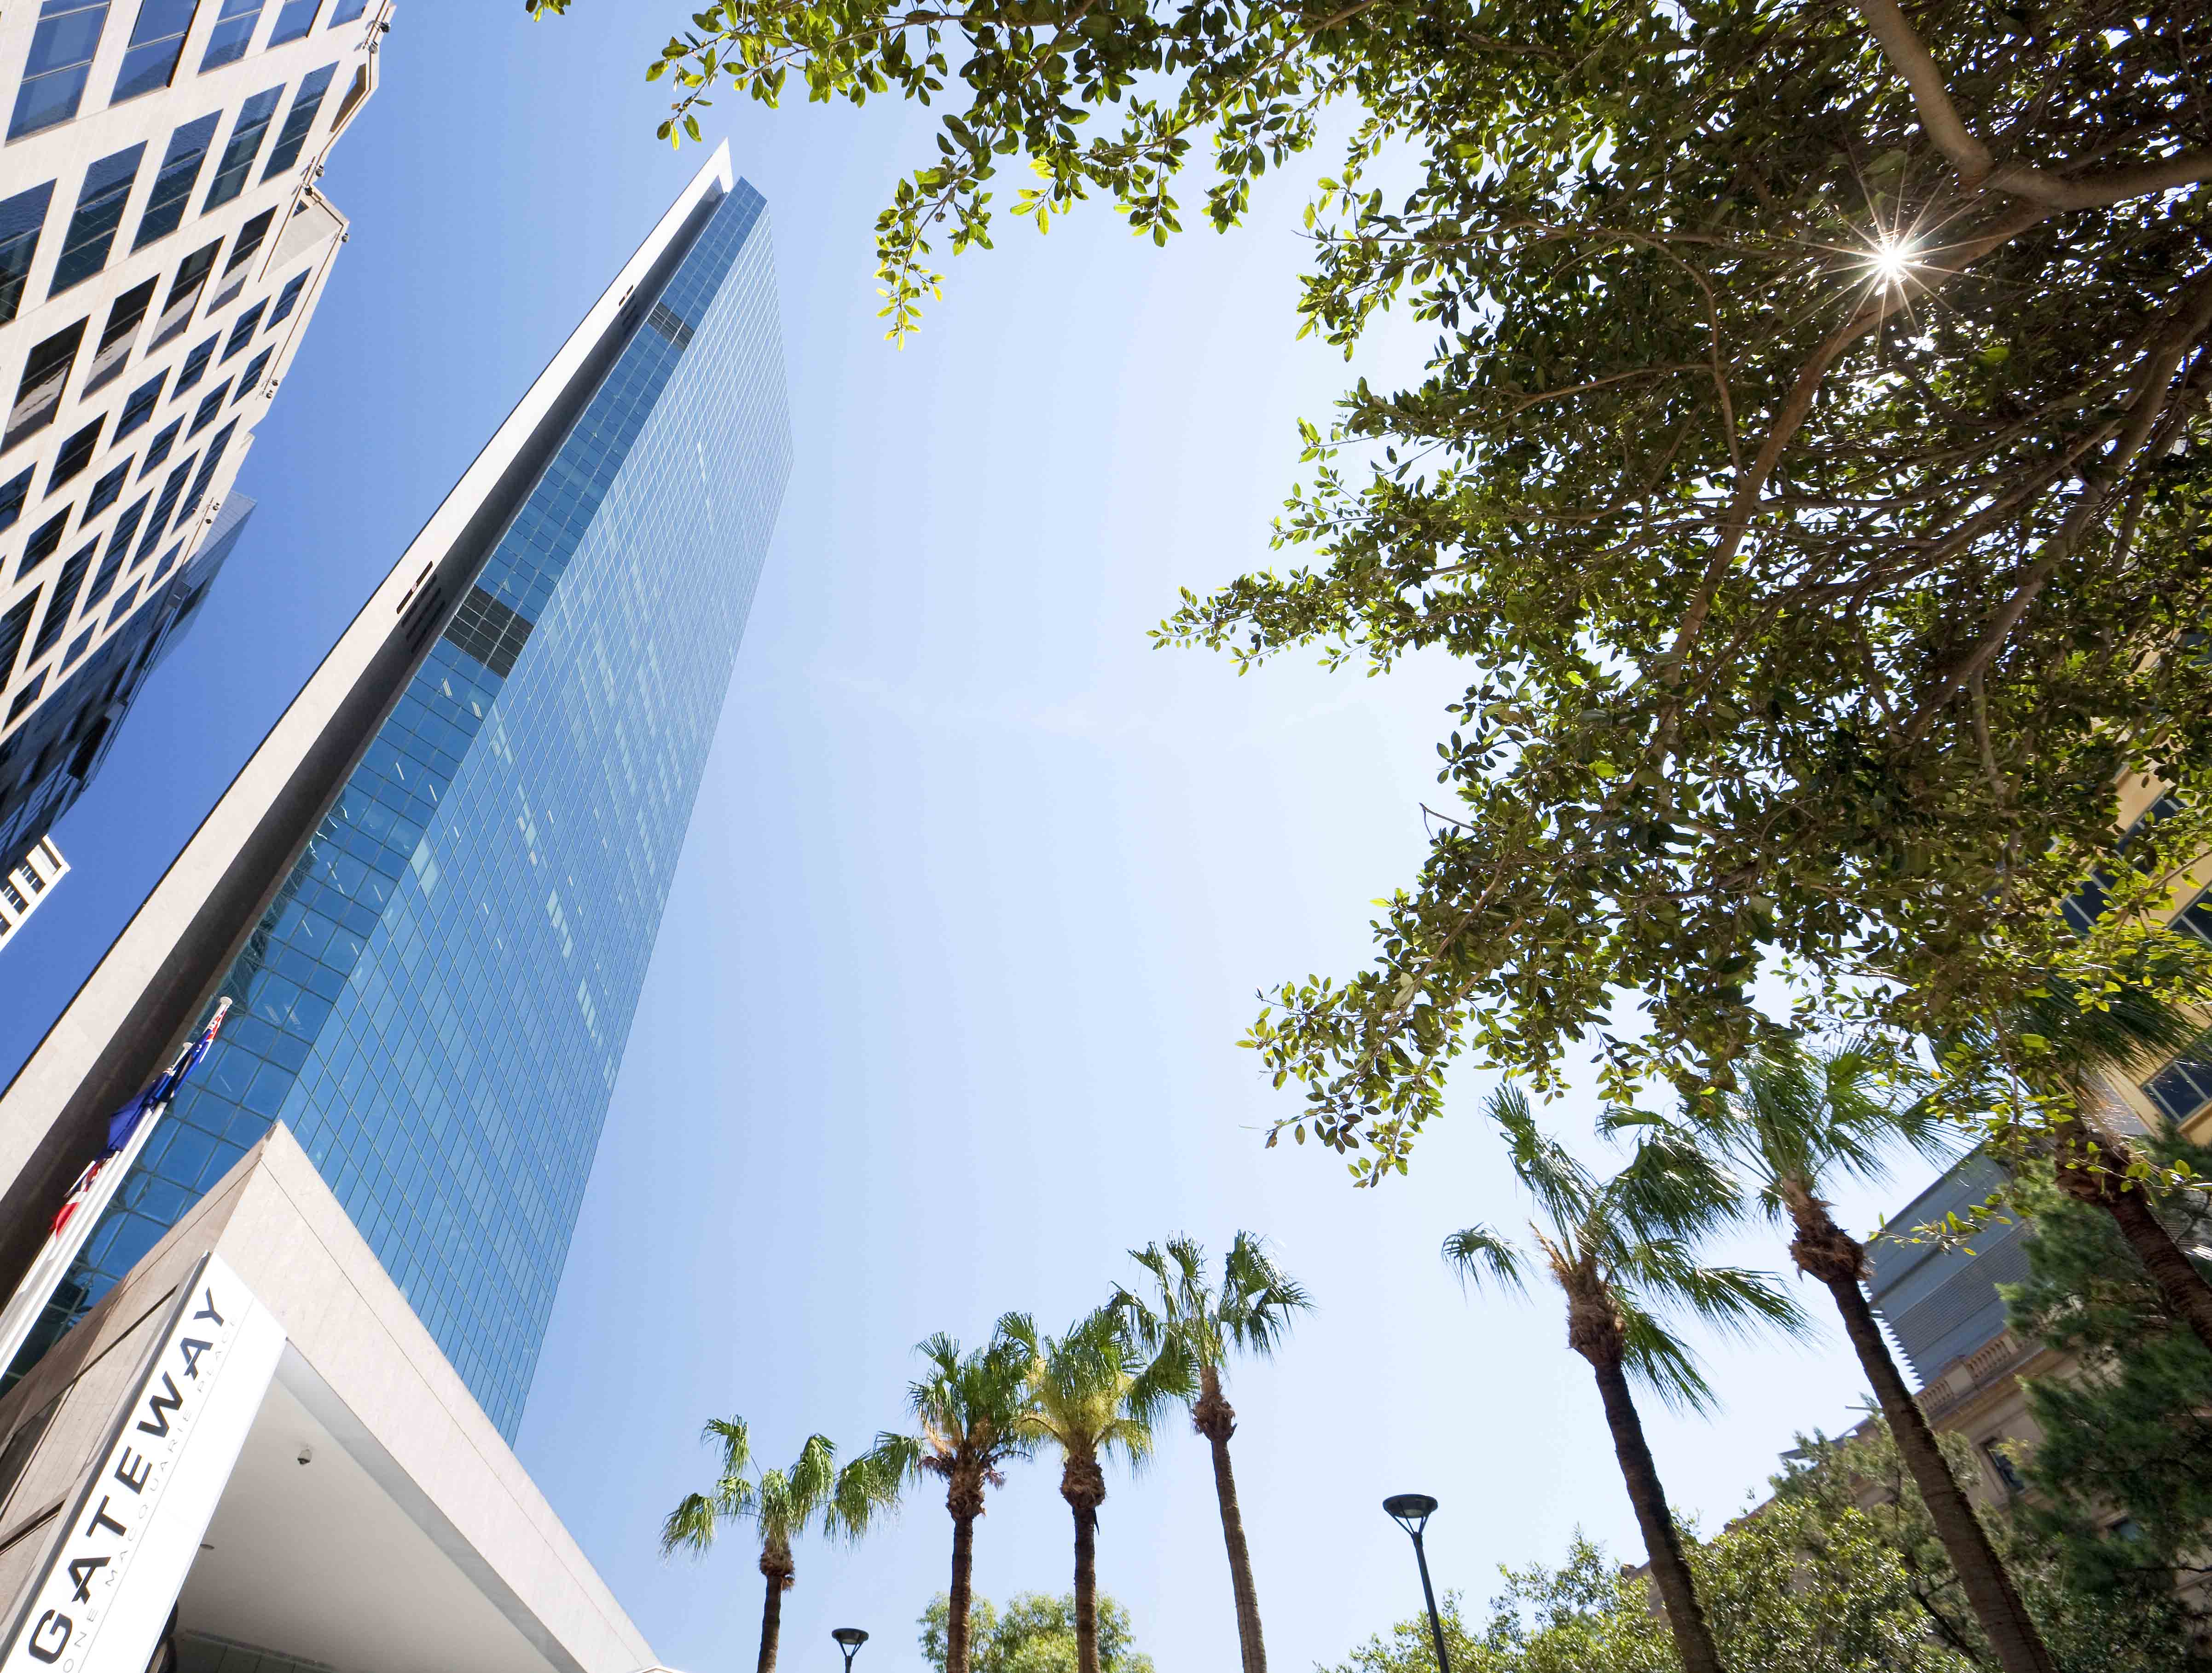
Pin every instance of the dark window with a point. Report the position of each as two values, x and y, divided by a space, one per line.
168 562
216 449
245 136
158 525
78 648
346 10
45 375
249 241
250 379
140 406
288 301
22 218
294 19
118 548
184 292
13 627
196 364
91 233
2196 918
24 697
63 604
2184 1086
107 491
210 407
123 604
61 59
13 496
233 33
157 40
300 121
1994 1451
76 453
44 545
242 332
160 450
123 322
173 187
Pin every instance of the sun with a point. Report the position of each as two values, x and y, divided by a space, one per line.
1893 261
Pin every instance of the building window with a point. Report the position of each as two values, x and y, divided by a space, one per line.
288 301
22 218
107 491
242 332
24 697
157 40
62 50
82 644
13 496
160 450
123 604
294 19
250 379
216 449
346 11
245 136
250 237
30 875
209 408
232 35
2003 1468
13 627
173 185
76 453
64 601
196 364
91 234
2184 1087
124 320
140 406
44 545
158 526
14 895
118 548
39 398
185 294
300 121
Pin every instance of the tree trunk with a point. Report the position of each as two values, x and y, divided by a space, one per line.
1837 1260
2093 1168
771 1617
956 1614
1214 1418
1670 1570
1086 1589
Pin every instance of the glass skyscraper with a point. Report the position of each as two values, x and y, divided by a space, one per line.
437 1002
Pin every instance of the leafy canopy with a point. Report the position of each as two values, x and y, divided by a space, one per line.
1810 469
1249 1311
812 1495
1035 1634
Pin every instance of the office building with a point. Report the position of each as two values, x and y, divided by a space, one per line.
446 868
163 247
23 886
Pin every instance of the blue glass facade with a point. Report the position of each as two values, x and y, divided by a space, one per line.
437 1002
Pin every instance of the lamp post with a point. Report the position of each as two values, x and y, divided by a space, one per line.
1411 1512
849 1639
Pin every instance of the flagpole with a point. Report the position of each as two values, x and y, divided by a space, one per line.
88 1199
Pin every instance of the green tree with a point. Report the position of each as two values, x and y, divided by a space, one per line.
2122 1474
969 1409
1811 469
1622 1251
1093 1396
1247 1311
1797 1122
814 1495
1036 1634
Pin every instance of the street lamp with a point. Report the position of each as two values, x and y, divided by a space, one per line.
849 1639
1411 1512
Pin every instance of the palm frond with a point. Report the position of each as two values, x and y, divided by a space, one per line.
735 1441
690 1526
866 1492
1480 1256
1561 1186
1652 1355
1258 1297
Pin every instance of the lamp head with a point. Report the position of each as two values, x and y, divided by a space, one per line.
1411 1511
851 1637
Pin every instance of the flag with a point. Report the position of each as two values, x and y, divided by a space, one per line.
124 1121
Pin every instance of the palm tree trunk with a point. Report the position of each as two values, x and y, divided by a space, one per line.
1086 1589
1670 1569
1996 1605
1215 1420
956 1614
771 1620
2093 1168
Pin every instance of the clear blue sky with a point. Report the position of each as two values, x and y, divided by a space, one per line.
979 888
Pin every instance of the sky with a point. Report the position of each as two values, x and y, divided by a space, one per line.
978 890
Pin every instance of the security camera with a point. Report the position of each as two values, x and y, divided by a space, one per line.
306 1455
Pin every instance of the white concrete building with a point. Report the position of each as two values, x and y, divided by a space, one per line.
163 247
24 887
253 1453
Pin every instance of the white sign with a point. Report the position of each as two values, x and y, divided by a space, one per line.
107 1588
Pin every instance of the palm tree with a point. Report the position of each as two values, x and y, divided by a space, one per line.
1094 1395
1250 1311
969 1409
781 1505
1623 1252
1796 1122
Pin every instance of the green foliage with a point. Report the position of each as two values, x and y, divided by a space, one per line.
814 1495
969 1409
1249 1311
1811 470
2127 1434
1094 1393
1035 1634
